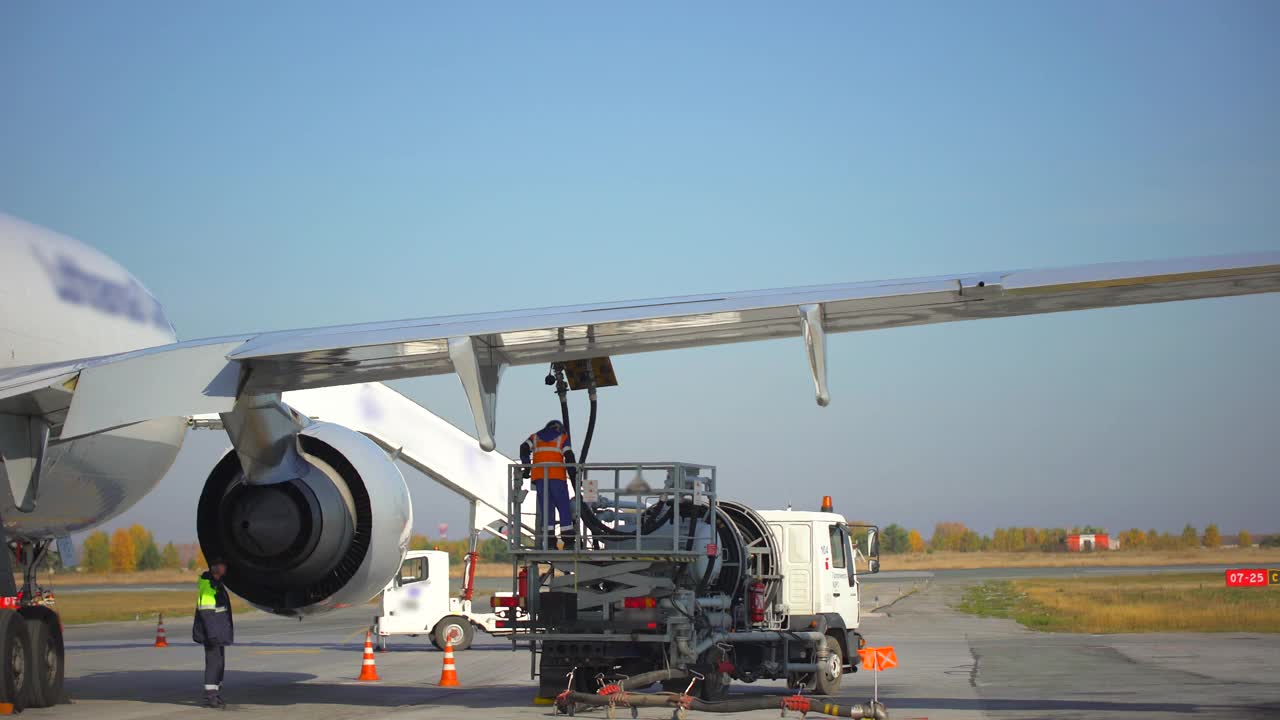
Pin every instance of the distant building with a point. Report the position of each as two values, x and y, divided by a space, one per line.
1086 542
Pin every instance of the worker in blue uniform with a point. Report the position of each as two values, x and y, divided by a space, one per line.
549 451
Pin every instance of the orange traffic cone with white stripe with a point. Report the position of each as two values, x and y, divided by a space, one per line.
160 638
368 669
449 675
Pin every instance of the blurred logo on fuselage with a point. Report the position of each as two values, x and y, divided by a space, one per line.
77 285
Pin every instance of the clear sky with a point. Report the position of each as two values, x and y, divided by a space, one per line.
273 165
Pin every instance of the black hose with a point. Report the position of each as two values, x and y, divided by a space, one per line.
653 518
644 680
591 428
797 703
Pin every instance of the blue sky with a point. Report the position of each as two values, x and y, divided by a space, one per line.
282 165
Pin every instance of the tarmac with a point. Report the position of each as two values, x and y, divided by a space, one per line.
950 666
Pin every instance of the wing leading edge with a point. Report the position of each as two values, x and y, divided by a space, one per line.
478 347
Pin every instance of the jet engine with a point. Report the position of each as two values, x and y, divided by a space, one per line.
332 537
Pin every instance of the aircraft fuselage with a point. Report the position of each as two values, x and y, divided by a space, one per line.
61 300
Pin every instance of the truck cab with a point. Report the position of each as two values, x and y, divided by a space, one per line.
819 573
417 602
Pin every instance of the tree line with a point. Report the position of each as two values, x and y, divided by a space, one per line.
490 550
956 537
132 549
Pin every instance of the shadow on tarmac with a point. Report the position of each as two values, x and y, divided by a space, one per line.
183 687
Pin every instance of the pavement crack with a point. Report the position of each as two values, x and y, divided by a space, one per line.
973 669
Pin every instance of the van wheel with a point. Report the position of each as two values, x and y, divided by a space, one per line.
827 680
47 653
455 630
15 660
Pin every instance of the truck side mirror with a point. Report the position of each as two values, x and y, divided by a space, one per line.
873 550
875 566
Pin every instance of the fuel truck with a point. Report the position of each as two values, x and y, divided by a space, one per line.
662 581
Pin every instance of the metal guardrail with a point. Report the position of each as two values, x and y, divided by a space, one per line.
611 508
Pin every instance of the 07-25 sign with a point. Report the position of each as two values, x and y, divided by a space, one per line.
1250 577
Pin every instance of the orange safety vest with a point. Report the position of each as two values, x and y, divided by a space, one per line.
548 451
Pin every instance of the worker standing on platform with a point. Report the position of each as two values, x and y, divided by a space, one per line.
214 629
552 459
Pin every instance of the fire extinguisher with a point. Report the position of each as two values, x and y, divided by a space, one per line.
756 595
523 585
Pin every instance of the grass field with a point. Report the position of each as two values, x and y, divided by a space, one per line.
1192 602
1241 557
177 606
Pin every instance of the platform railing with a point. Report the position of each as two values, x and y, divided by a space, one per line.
610 506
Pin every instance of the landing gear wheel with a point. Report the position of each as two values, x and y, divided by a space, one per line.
15 660
453 629
827 680
47 655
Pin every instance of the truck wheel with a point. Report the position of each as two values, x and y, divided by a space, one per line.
715 686
15 660
453 629
827 680
47 655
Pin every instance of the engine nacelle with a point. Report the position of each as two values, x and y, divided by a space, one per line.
331 538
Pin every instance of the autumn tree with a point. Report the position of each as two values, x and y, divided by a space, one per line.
169 557
915 543
1190 538
124 557
1212 538
948 536
419 542
97 552
197 560
1244 540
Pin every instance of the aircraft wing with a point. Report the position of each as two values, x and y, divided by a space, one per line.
207 375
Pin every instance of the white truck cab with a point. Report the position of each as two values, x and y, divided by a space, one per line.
417 602
817 558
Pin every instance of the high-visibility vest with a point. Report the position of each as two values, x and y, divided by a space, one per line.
548 451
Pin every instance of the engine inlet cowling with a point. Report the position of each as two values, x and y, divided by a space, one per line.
331 537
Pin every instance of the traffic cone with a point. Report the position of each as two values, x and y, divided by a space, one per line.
449 675
368 669
160 639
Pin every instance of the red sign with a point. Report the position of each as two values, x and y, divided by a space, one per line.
1247 578
712 549
9 603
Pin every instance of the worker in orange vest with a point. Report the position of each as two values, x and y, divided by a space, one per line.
551 481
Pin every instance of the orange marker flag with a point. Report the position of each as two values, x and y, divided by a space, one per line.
878 658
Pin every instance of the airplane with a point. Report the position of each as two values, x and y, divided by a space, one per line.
96 393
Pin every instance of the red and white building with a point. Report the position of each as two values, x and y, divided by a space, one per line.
1084 542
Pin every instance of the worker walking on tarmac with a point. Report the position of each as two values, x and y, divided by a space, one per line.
549 452
213 628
